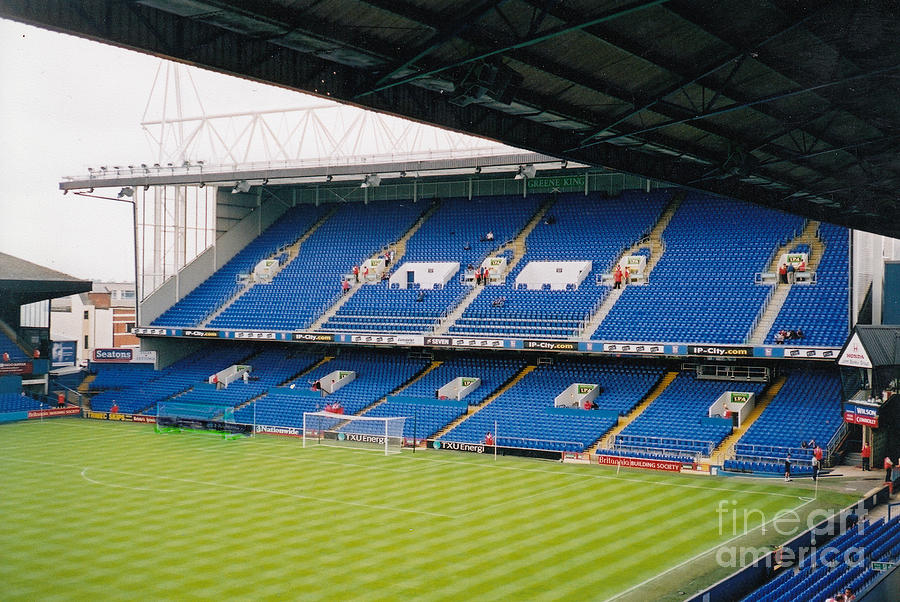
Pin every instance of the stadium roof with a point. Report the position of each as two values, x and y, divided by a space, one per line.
23 282
881 344
786 103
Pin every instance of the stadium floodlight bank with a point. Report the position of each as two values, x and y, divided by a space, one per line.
174 416
367 432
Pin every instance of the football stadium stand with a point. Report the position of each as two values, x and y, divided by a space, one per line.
8 346
703 287
806 409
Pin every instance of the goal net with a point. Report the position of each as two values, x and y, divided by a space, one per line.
368 432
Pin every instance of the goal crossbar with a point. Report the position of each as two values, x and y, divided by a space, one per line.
339 429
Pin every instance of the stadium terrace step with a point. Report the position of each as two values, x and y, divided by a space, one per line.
85 385
292 254
657 247
610 436
475 409
723 451
779 295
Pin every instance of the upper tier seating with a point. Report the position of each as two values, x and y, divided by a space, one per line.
591 228
8 346
377 375
177 378
311 283
820 310
702 289
223 284
808 407
678 420
455 225
525 416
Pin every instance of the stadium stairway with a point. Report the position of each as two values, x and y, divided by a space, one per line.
324 360
475 409
12 336
657 247
624 421
518 247
377 403
85 385
724 449
779 295
399 250
292 254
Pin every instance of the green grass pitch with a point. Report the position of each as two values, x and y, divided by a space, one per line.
94 510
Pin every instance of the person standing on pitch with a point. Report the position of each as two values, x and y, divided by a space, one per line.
787 468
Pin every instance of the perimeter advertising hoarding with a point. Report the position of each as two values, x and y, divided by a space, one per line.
666 465
16 368
720 350
315 338
551 345
62 353
859 414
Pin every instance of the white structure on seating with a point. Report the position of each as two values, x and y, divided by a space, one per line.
376 268
265 269
731 403
496 267
576 395
459 387
229 375
558 275
425 274
637 265
333 381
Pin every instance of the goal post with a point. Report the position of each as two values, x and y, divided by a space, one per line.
367 432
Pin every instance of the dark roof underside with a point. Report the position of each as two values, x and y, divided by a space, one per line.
786 103
882 344
23 282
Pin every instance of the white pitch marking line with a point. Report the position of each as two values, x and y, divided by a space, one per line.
701 554
90 480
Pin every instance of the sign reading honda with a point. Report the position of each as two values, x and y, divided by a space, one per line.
720 350
854 354
859 414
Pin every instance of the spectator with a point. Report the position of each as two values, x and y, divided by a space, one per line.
866 454
888 465
787 468
799 333
345 286
617 277
37 353
550 220
817 453
815 467
467 246
421 297
356 272
499 302
365 272
246 377
489 438
488 237
848 595
802 266
779 337
782 274
114 408
625 274
790 273
387 258
61 400
5 356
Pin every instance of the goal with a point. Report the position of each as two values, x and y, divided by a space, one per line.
367 432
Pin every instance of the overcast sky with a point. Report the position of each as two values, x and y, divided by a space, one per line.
66 104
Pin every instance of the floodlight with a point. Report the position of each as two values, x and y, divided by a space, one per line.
126 191
372 180
329 178
241 186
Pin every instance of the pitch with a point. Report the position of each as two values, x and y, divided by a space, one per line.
97 510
